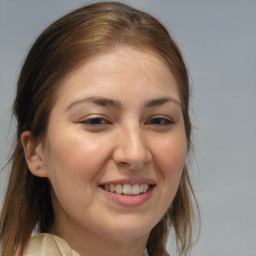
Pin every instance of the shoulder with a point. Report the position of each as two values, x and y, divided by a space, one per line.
46 244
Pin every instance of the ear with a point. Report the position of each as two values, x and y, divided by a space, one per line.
34 154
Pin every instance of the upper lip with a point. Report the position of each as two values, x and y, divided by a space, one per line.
131 181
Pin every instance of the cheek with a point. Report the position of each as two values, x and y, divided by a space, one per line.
74 159
72 165
170 157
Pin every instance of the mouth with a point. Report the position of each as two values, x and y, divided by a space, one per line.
127 189
129 192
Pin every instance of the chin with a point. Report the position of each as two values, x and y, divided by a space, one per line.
130 229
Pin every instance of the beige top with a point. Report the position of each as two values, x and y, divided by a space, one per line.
48 245
44 244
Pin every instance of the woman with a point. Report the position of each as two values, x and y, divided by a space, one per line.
103 134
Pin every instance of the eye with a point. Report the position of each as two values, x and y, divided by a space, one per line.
95 122
159 121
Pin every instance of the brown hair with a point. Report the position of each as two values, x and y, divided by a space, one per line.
83 33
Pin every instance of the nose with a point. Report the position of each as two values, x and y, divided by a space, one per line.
131 149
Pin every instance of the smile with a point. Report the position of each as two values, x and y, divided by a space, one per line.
127 189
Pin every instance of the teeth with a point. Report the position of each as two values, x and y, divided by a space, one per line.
146 186
135 189
119 189
112 188
127 189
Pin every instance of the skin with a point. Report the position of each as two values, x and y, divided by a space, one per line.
91 141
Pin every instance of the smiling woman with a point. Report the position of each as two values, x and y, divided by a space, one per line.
102 141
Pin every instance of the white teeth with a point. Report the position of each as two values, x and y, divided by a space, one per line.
127 189
135 189
142 188
119 189
145 187
112 188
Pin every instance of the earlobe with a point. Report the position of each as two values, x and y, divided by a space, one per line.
33 154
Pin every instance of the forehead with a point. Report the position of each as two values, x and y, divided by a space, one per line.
117 71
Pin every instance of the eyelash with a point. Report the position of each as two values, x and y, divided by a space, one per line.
95 122
160 121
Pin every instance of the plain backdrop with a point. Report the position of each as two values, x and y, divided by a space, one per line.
218 41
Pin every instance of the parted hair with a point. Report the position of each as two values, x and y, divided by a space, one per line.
83 33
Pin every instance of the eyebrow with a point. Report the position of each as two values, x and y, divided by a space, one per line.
160 101
98 101
101 101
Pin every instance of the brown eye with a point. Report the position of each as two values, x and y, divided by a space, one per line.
95 122
161 121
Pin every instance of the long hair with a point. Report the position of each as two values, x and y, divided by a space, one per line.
77 36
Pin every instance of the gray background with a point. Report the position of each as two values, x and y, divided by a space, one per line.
218 40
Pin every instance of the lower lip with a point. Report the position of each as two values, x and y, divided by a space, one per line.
130 201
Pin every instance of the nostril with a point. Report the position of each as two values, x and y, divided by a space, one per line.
122 164
131 160
132 151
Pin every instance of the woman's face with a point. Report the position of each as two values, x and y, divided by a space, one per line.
115 145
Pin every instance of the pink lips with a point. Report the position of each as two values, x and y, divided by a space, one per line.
129 200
